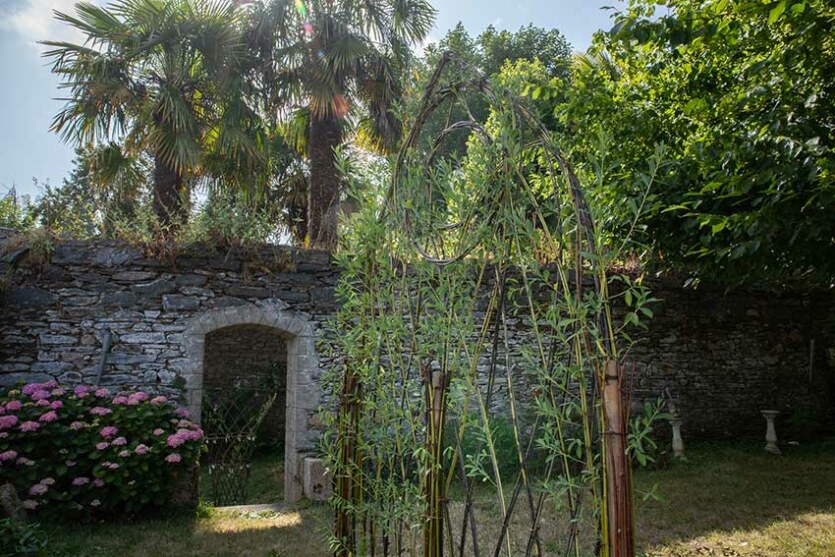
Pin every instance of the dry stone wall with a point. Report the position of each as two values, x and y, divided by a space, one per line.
58 313
723 356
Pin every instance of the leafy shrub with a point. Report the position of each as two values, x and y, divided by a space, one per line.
85 453
22 540
474 447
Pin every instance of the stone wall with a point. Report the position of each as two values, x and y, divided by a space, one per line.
726 355
723 356
59 312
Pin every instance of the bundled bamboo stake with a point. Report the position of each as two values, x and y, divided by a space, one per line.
618 472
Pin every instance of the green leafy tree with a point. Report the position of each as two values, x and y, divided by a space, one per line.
98 193
325 64
167 79
742 96
486 56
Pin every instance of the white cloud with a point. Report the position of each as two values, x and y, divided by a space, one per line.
34 20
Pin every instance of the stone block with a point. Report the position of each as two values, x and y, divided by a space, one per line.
56 339
155 288
121 299
130 359
292 297
197 291
178 302
70 253
29 298
317 480
191 279
114 256
143 338
12 379
134 276
51 367
245 291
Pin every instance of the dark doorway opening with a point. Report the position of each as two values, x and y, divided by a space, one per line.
244 415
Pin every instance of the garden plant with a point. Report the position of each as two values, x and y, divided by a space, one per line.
83 453
435 273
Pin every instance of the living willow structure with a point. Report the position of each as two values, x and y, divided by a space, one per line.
433 450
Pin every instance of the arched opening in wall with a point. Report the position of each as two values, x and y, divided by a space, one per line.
244 401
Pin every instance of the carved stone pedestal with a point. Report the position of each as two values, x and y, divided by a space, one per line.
678 442
770 432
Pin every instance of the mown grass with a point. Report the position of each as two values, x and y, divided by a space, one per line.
724 501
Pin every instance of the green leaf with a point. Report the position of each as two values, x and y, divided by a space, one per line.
776 12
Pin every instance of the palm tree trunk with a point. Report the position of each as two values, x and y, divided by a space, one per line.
324 190
170 202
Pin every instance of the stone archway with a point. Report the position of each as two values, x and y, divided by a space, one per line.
302 362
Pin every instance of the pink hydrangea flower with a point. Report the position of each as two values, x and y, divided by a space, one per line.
98 483
81 480
158 431
8 421
56 405
50 416
124 454
48 481
101 393
141 449
159 400
137 398
58 392
29 426
30 388
23 461
75 426
38 489
108 431
100 411
102 445
110 465
119 442
29 505
182 412
42 403
182 436
120 400
51 384
14 405
173 458
81 391
8 455
40 395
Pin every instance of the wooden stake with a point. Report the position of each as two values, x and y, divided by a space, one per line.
620 526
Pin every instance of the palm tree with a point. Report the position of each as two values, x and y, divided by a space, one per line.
164 78
326 64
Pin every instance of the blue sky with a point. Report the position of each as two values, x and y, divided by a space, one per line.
28 149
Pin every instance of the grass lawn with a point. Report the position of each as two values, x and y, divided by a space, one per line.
725 501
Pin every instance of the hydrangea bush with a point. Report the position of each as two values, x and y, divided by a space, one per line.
83 452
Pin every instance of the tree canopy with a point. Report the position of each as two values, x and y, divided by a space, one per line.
742 95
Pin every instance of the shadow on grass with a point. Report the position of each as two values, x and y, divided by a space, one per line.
726 491
293 533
